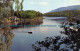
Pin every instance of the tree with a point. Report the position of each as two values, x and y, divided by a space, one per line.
17 6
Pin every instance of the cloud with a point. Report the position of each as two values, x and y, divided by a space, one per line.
74 2
38 3
32 3
43 3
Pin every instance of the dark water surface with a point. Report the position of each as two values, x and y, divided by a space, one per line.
23 40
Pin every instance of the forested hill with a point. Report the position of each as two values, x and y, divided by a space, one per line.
69 13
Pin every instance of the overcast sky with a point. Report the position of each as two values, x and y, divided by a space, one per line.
48 5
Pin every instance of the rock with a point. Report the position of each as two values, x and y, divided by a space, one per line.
30 32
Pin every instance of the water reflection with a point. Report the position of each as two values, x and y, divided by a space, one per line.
24 40
26 23
6 39
31 22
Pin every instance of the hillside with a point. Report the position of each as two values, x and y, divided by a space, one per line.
76 7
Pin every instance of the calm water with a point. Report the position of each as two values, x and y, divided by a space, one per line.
23 40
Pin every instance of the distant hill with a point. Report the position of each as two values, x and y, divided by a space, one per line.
76 7
69 13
